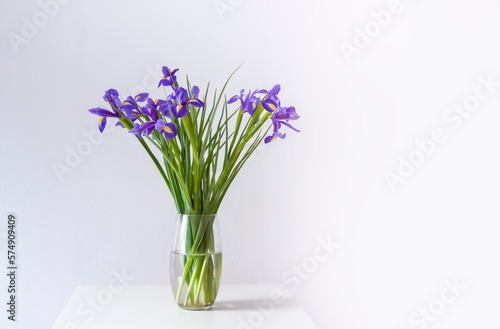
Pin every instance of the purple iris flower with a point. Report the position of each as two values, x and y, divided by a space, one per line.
153 106
179 108
275 135
169 77
167 129
146 127
132 102
151 109
111 96
270 105
249 103
104 114
130 106
286 113
163 105
195 91
281 117
149 126
271 94
271 102
141 97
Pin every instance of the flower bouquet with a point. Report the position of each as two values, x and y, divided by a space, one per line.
201 146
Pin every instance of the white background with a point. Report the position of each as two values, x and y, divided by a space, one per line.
396 248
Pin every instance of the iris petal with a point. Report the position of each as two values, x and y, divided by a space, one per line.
102 124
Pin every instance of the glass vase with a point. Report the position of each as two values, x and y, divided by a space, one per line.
196 261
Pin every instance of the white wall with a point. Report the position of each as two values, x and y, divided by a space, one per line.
395 248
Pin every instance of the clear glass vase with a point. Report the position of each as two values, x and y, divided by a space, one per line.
196 261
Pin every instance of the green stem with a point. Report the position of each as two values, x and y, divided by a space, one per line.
236 130
190 256
200 281
234 157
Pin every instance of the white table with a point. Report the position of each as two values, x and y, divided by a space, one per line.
153 307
